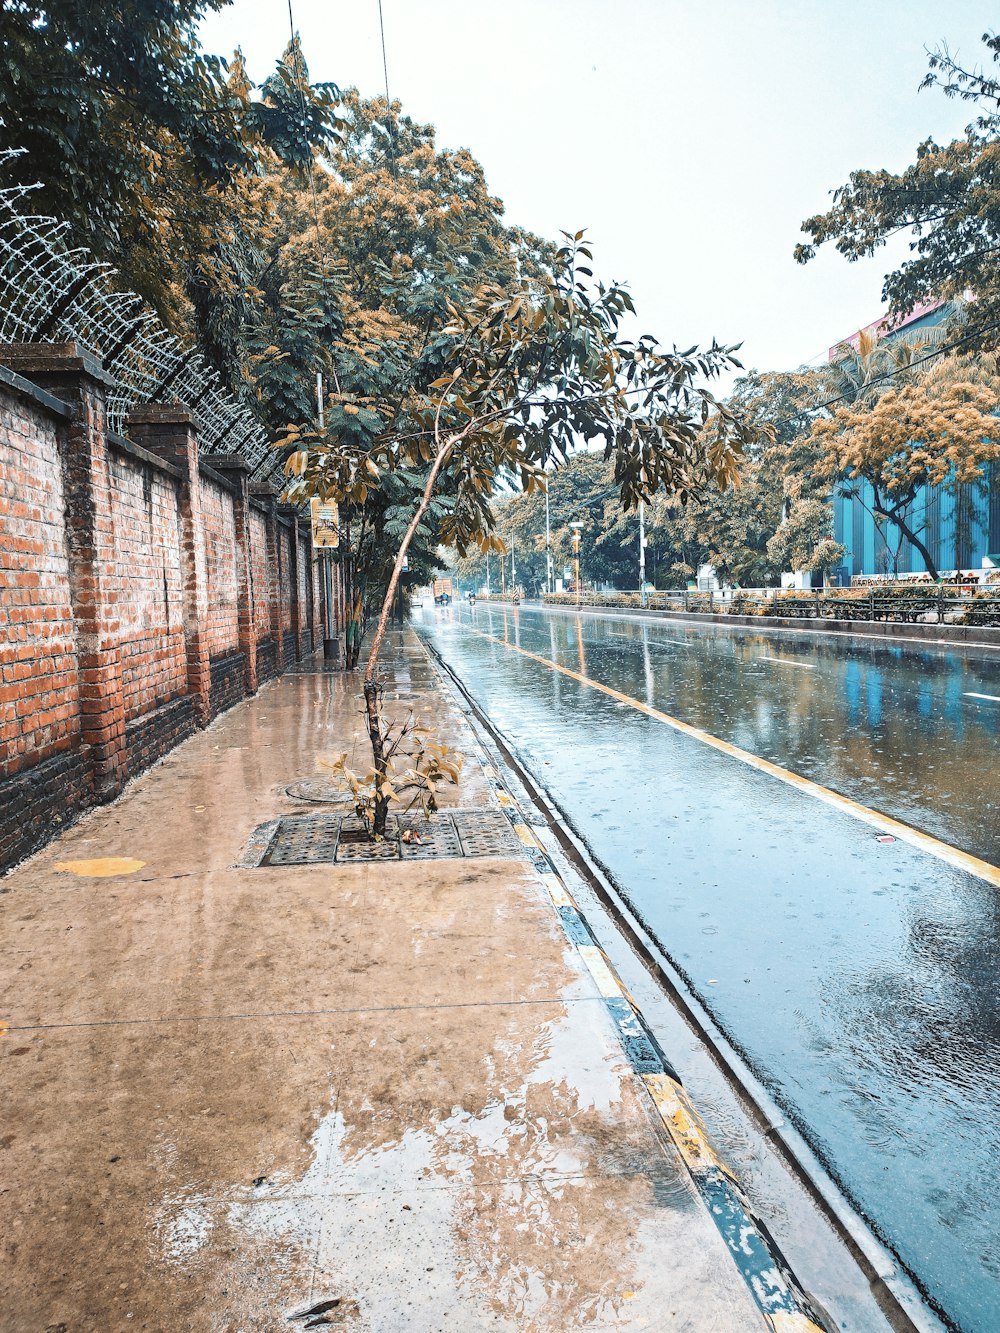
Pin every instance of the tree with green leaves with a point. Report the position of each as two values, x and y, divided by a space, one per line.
154 153
582 490
939 430
804 539
734 528
527 371
948 200
370 258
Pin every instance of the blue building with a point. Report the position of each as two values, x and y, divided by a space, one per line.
960 528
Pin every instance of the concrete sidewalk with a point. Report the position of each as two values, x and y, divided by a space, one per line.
389 1093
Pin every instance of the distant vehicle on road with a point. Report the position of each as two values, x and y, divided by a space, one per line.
444 591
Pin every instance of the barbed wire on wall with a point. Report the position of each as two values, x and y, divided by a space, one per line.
50 292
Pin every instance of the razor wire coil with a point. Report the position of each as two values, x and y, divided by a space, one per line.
51 292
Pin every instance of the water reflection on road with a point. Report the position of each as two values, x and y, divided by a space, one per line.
859 979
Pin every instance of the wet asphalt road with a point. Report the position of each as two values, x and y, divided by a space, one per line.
859 979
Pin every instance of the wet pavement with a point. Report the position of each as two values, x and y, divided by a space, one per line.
858 978
391 1095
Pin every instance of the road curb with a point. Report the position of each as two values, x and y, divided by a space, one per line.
783 1304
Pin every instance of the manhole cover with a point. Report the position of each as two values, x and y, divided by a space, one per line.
319 791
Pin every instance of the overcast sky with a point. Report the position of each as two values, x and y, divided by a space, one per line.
690 139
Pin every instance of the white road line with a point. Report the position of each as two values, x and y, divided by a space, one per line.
993 698
808 666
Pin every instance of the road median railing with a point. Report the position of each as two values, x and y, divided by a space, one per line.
935 604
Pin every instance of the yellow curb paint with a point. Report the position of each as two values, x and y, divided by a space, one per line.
557 893
884 823
598 967
683 1123
525 834
102 866
785 1321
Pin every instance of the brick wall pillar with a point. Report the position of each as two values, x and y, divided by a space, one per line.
312 619
298 611
169 433
69 373
237 472
266 492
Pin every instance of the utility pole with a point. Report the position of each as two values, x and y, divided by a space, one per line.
513 567
487 574
642 553
548 543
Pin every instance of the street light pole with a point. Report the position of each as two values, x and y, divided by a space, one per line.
576 555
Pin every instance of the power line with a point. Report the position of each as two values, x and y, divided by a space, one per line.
889 374
385 65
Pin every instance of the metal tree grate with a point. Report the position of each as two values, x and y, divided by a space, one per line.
304 841
437 837
324 839
487 833
355 843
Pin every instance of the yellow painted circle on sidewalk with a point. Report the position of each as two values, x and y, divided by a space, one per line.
102 866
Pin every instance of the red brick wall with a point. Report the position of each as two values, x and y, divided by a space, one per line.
120 593
219 536
39 687
147 583
260 573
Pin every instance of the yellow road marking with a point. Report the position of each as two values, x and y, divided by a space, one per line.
874 818
102 866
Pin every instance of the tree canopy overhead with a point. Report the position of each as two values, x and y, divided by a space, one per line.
151 150
939 429
948 200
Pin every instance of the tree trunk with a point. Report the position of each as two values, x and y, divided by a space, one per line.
372 688
373 719
914 540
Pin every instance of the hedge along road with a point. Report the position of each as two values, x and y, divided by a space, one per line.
858 977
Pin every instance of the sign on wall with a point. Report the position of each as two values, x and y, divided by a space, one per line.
325 523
